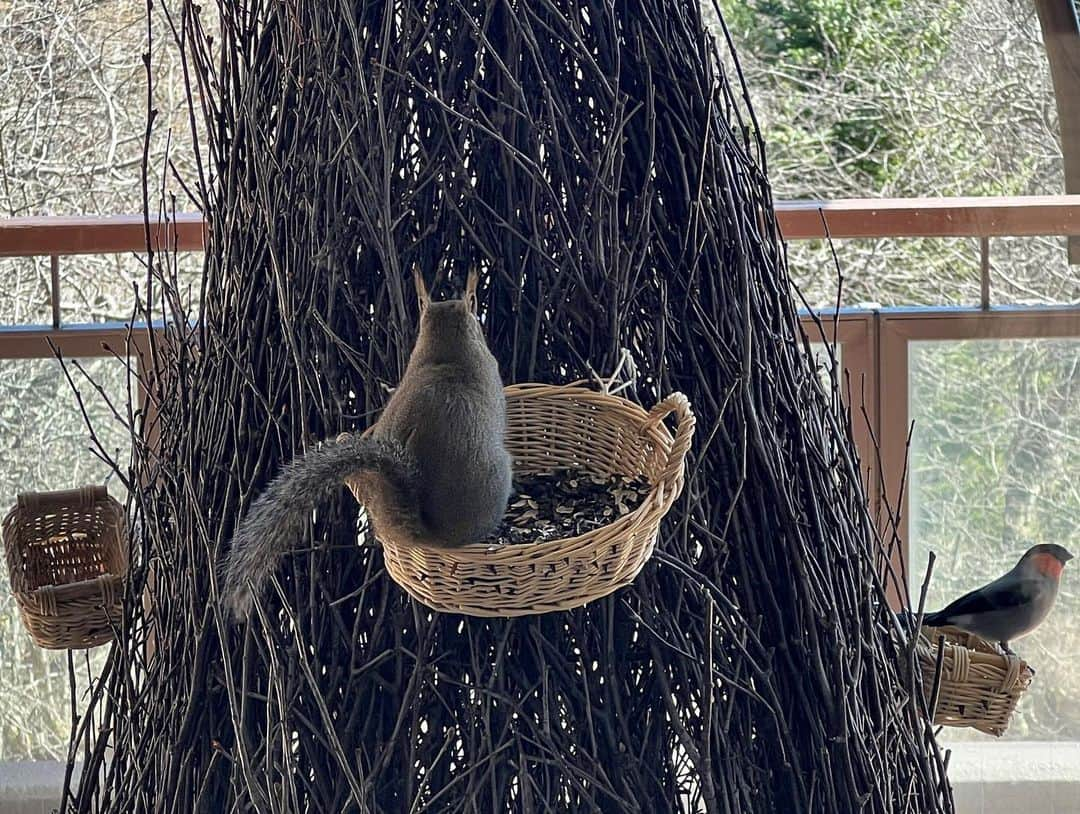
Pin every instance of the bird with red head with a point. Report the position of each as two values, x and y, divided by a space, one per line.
1012 605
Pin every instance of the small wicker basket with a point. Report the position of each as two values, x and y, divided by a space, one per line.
67 558
550 428
980 685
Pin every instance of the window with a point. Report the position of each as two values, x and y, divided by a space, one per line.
45 446
993 470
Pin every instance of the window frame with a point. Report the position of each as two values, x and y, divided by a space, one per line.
876 353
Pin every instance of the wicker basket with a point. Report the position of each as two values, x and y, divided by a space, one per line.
980 685
67 559
550 428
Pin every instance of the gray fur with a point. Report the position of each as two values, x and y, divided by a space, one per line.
435 469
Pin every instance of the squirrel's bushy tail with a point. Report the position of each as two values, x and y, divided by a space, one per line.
276 520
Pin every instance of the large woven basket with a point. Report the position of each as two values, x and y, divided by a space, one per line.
67 558
552 428
980 685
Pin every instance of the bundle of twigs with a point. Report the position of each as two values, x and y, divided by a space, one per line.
605 175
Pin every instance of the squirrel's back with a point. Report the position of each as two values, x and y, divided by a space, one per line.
434 470
454 430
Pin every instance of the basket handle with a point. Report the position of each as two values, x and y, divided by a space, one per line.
82 498
685 422
107 586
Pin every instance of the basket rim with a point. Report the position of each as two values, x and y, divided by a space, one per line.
544 549
930 641
993 666
105 502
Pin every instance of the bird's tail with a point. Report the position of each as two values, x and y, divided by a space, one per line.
276 520
934 619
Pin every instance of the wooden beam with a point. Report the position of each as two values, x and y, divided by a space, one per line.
1062 40
798 220
37 342
89 234
930 217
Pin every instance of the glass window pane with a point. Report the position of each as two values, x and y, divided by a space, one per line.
887 271
45 445
994 464
25 282
933 271
1032 271
100 288
93 288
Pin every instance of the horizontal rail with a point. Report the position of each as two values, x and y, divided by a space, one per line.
930 217
92 234
938 311
98 339
798 220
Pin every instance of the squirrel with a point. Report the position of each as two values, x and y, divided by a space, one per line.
434 470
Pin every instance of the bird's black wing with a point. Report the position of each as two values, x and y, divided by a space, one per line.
1005 592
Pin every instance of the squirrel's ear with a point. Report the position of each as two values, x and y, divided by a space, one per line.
422 296
471 282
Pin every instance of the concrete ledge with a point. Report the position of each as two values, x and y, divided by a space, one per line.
993 777
1015 777
30 787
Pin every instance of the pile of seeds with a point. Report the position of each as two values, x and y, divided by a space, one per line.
566 503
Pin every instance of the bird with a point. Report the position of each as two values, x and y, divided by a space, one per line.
1012 605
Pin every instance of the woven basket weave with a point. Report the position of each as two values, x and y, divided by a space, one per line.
67 558
980 685
551 428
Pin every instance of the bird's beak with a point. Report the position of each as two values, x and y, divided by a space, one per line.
1068 556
